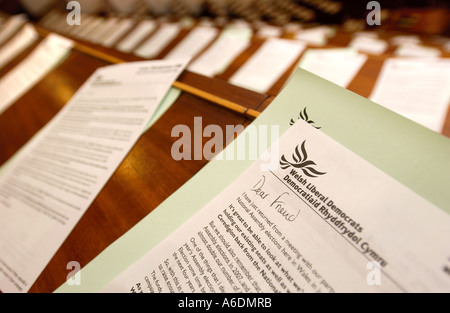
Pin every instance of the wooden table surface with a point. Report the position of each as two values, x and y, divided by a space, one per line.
139 185
362 84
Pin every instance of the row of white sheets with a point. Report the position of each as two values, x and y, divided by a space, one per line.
263 69
107 31
41 61
404 45
422 95
416 88
211 48
414 83
259 73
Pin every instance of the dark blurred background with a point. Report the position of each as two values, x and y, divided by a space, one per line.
420 16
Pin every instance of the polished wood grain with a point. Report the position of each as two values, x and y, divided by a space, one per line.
362 84
116 57
146 177
20 122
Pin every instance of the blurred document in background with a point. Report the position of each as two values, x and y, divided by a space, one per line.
418 51
197 40
221 53
339 66
159 40
317 36
418 89
24 39
144 29
268 64
369 45
11 26
28 73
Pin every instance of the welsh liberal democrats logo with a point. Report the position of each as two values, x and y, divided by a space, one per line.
301 162
304 116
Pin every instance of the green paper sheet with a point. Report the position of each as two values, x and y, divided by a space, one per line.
413 155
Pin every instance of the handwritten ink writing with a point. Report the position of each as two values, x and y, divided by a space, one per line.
258 188
280 207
